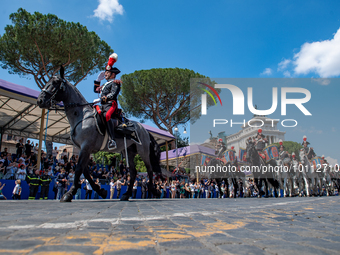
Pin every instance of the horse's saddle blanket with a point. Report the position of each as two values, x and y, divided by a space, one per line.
122 129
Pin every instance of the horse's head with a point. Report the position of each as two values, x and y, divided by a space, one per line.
52 92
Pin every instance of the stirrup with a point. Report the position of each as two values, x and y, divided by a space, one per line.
112 145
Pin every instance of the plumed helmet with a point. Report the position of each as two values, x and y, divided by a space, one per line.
280 142
305 138
293 154
232 147
220 140
112 59
259 131
305 142
114 70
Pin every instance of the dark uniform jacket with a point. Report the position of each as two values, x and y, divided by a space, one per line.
60 178
309 152
45 180
33 180
260 143
219 152
283 155
110 90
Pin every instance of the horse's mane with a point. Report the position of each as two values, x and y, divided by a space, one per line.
76 90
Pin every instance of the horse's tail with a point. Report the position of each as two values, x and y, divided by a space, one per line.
155 155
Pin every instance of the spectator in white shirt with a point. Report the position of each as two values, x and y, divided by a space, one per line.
21 173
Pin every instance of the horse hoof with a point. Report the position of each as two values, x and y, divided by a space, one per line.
124 198
103 193
66 198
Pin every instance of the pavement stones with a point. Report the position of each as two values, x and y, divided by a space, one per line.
181 226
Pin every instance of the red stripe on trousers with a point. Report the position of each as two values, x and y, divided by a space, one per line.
111 110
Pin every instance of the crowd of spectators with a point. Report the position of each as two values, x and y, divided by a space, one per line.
61 170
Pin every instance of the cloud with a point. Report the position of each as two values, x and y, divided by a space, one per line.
107 9
283 64
332 161
321 57
267 71
286 74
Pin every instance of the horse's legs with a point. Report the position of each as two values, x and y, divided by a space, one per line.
150 169
234 180
79 169
84 161
132 169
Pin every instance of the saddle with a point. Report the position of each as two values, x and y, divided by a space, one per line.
123 128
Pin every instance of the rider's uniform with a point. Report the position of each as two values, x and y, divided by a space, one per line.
260 142
309 152
220 150
110 91
284 157
295 163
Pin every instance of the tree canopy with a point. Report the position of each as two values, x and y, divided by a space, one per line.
162 95
291 147
38 44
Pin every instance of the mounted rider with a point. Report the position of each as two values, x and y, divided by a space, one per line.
284 155
260 142
309 152
108 96
220 148
295 162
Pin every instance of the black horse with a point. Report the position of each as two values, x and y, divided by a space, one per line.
259 175
85 135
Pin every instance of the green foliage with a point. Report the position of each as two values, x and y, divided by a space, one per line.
106 157
291 147
140 166
101 157
38 44
181 142
162 95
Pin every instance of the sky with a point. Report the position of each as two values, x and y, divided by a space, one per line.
222 39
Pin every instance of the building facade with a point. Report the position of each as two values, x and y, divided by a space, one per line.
269 129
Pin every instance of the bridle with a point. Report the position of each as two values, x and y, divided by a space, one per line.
54 91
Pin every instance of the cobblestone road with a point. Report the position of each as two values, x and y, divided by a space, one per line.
186 226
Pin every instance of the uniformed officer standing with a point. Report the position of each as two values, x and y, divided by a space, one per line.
33 182
45 181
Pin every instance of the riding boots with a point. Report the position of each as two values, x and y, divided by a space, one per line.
110 129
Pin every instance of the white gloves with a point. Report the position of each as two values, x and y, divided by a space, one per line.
101 76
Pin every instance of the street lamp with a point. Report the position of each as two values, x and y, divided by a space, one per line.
176 130
176 137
